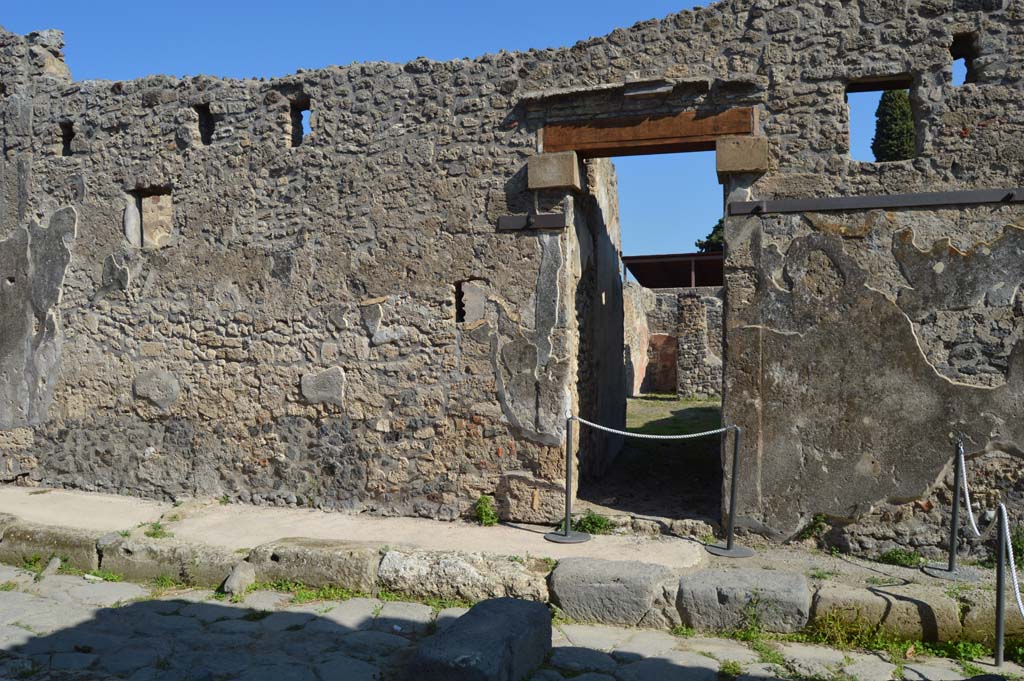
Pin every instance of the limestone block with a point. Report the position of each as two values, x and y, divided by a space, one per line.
325 387
501 639
157 221
319 562
242 576
741 154
911 611
521 497
616 592
559 170
23 541
718 600
465 576
158 386
132 222
143 559
980 618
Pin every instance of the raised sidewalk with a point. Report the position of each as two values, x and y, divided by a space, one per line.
647 581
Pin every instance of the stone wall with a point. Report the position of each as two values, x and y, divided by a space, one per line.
689 318
335 320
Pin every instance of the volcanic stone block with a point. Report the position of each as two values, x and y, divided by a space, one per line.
716 600
741 154
24 541
318 562
616 592
326 387
503 639
554 171
146 559
912 611
158 386
465 576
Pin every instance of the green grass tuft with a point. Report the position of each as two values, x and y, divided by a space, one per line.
902 557
157 531
485 512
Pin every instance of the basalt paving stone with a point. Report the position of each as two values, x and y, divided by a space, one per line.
720 648
690 668
596 636
813 661
265 600
341 666
933 671
572 659
404 619
645 643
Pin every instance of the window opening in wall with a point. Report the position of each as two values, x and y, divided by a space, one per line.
646 343
882 120
460 303
964 51
67 133
207 123
153 218
300 119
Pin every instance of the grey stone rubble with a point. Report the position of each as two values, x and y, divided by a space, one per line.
342 325
65 628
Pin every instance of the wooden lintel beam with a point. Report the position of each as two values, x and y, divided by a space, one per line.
685 131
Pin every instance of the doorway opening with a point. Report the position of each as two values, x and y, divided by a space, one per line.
666 222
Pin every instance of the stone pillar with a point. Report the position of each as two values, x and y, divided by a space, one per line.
692 338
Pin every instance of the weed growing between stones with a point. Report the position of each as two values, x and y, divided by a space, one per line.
157 531
682 631
8 586
821 574
815 529
486 515
591 523
730 669
902 557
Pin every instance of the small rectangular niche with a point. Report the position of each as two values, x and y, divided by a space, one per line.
964 51
153 218
883 119
67 133
460 303
207 123
299 108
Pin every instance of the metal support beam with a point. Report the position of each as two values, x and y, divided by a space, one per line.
513 223
915 200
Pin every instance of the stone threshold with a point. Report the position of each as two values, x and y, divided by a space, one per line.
651 582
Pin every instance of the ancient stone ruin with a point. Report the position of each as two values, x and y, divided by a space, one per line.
395 311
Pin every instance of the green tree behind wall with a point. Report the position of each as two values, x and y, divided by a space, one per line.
894 127
715 241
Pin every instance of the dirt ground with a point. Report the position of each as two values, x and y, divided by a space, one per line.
671 479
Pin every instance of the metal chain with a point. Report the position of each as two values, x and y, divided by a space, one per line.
967 493
645 436
1009 555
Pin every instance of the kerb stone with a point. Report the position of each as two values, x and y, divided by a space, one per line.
145 559
319 562
24 540
717 600
616 592
503 639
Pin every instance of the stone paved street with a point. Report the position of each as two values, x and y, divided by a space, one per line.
64 627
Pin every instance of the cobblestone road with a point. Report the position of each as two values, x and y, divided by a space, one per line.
69 628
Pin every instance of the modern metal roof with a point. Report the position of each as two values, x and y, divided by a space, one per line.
677 270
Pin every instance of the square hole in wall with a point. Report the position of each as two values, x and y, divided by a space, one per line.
299 109
67 133
151 225
207 123
964 51
883 123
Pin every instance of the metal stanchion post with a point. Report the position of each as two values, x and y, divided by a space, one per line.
950 571
730 550
1001 589
568 535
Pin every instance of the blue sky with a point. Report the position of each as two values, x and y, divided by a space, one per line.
666 202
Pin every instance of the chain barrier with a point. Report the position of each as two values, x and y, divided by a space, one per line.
1004 551
645 436
967 492
1009 557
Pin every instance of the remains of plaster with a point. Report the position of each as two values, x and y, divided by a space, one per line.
33 263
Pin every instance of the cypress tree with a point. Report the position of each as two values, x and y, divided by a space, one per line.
894 127
715 241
